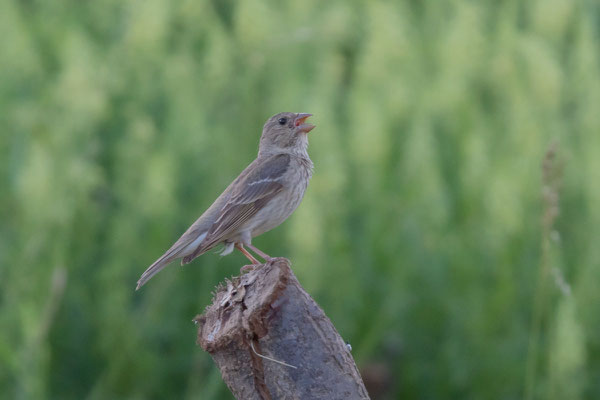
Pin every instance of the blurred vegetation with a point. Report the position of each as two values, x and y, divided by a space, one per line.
455 265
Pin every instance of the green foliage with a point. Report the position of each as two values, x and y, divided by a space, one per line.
421 233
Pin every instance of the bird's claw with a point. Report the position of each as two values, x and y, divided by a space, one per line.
247 268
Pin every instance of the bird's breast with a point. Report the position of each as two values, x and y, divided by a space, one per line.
285 203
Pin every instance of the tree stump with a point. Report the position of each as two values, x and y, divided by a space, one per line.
270 340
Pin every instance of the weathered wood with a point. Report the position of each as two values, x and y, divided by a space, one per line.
267 312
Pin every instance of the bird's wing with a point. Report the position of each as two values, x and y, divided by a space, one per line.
248 196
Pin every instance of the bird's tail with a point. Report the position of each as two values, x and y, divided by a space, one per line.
155 268
184 246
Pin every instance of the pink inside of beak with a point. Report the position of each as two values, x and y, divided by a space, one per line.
300 118
300 121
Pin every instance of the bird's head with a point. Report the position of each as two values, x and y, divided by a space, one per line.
285 133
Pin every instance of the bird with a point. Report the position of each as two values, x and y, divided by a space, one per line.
264 195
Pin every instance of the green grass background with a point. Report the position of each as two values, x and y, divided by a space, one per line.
427 233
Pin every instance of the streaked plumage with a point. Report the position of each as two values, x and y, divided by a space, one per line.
259 199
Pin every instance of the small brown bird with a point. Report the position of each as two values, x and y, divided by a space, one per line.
259 199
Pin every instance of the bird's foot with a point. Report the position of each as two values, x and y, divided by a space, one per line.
261 253
247 268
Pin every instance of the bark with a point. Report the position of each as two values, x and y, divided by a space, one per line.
266 312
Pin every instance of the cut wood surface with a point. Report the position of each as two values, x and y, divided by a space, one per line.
266 313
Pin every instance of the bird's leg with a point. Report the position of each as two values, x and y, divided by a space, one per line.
249 256
261 253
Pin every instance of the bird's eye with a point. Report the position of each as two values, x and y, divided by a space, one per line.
282 121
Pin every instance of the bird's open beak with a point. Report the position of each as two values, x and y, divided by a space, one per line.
299 123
